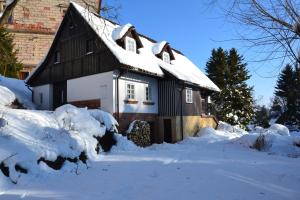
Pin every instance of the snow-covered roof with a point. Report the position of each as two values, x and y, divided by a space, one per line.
119 32
157 48
146 59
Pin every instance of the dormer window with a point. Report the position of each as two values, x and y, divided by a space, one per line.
130 44
166 57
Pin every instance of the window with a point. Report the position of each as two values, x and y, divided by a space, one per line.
41 98
208 99
189 95
57 57
166 57
130 91
148 93
130 44
89 46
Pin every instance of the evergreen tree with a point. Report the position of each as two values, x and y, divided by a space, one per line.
276 108
9 65
287 89
234 104
262 117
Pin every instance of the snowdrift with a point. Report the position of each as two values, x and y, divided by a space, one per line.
274 140
31 139
12 89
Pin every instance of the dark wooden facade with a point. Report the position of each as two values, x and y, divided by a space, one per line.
172 99
71 42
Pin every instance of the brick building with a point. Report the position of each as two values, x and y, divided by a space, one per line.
33 24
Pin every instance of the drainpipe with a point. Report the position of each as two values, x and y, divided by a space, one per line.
117 94
181 112
32 98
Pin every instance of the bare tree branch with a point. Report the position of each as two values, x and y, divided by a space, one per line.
272 24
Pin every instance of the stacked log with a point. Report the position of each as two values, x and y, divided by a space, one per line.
139 133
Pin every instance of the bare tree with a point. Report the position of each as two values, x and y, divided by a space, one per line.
102 8
273 26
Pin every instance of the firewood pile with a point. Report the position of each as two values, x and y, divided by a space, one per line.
139 133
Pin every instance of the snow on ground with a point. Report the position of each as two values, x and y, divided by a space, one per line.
18 88
212 166
219 164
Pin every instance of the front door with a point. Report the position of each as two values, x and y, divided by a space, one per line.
59 94
168 130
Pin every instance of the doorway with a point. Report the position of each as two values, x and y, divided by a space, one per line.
59 94
168 130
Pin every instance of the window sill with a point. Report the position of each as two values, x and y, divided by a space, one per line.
130 101
56 63
189 102
149 103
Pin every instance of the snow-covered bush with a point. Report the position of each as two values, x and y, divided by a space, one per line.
18 90
50 138
272 142
223 126
7 97
279 129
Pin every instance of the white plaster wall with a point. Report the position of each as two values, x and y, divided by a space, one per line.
98 86
47 92
140 82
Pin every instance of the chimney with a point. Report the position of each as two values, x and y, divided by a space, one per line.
98 6
2 5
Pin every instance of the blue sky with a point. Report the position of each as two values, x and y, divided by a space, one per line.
195 29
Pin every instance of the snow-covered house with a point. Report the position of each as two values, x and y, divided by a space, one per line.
96 63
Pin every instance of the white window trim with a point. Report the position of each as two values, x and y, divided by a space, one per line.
127 44
149 92
189 95
166 55
126 91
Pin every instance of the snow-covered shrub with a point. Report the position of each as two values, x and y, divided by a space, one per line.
272 142
19 90
106 119
42 139
106 142
7 96
279 129
260 143
223 126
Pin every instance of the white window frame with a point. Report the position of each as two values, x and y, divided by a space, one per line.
166 57
130 44
130 91
189 95
148 94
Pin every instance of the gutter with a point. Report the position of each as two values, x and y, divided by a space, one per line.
181 111
121 72
32 97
